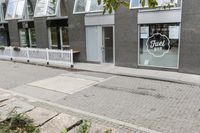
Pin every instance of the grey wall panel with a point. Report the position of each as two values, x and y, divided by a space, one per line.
166 16
99 19
77 38
13 33
41 31
190 33
126 38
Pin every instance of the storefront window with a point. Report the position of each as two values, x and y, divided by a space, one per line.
3 37
23 38
159 45
32 37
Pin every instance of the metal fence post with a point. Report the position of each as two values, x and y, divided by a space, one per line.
71 58
47 50
27 52
10 53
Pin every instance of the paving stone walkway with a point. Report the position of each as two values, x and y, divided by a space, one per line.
47 120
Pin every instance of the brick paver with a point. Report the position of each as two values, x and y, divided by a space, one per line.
162 106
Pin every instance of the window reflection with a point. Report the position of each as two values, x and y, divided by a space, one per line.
20 8
40 9
95 7
23 38
137 4
27 37
59 38
11 9
3 37
46 8
159 44
80 5
15 9
51 7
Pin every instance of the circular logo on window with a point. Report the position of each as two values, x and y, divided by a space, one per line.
158 45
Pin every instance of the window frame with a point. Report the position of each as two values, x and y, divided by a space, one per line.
75 4
87 8
2 17
46 9
56 9
156 66
15 9
146 6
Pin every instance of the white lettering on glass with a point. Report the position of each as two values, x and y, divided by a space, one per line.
158 45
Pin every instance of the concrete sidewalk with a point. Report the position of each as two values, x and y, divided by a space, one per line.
141 73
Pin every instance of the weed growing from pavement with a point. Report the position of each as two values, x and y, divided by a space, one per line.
84 127
108 131
18 123
64 131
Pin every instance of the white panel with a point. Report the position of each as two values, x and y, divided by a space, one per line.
99 19
92 44
159 17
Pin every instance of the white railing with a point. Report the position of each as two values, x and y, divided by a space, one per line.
37 55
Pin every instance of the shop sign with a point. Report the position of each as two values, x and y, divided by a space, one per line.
158 45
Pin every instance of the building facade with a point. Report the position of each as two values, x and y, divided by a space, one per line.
160 38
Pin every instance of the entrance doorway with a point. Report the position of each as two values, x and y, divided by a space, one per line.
99 44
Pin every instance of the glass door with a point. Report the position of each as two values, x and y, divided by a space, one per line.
24 39
59 38
107 48
54 32
27 37
64 38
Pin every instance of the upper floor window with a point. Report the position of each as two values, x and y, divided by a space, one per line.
86 6
136 3
46 8
19 9
15 9
2 11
